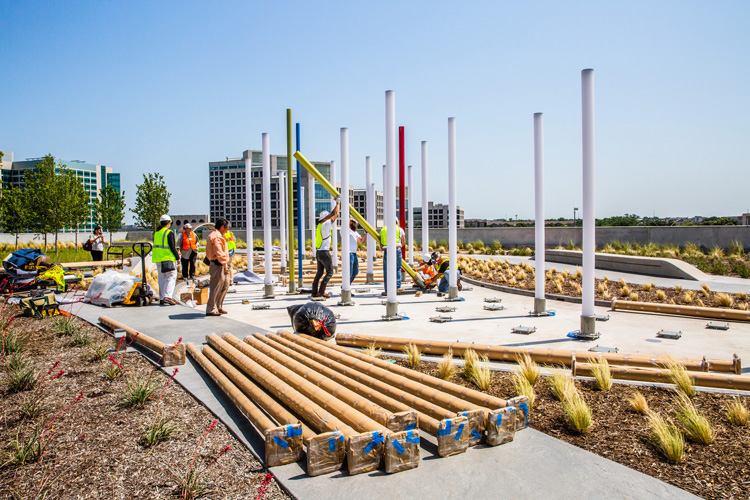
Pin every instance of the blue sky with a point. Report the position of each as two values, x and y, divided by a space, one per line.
169 86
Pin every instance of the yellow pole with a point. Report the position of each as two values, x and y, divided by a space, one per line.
353 212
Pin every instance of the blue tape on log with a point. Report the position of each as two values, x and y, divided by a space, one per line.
411 426
291 431
459 431
475 434
464 413
332 441
410 438
499 420
400 449
525 409
376 439
447 430
280 442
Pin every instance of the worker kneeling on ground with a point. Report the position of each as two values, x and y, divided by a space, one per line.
443 273
400 242
427 271
323 233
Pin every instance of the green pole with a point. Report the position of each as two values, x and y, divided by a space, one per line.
290 201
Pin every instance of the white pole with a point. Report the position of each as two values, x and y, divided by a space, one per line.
301 214
425 215
249 209
281 200
390 201
370 190
452 219
588 322
335 238
539 301
311 201
267 241
346 289
410 215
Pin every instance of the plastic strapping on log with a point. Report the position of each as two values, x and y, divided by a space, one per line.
377 438
280 442
411 439
459 431
400 449
291 431
447 430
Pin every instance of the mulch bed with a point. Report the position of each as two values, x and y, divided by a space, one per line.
562 283
109 460
718 470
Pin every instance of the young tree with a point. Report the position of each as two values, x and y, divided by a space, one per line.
109 209
13 211
41 187
151 201
76 201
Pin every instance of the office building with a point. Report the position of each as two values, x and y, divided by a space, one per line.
437 215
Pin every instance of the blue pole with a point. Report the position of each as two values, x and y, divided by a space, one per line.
300 234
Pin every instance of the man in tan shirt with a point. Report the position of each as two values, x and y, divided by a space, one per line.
218 268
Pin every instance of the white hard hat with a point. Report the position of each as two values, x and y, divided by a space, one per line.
426 257
165 218
323 214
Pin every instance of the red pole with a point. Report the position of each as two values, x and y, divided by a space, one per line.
401 179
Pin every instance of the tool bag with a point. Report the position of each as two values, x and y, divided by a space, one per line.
40 305
313 319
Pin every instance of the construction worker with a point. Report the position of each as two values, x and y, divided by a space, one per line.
354 240
231 242
218 269
323 234
443 272
427 270
188 245
400 242
164 255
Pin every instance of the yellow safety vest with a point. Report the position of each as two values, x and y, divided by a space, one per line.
231 245
319 235
384 236
161 251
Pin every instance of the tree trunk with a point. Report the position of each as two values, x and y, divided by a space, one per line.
45 242
16 241
56 242
76 238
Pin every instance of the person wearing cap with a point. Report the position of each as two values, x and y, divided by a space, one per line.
426 270
323 233
164 255
354 239
400 242
218 268
188 245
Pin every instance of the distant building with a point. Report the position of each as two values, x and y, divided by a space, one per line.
228 191
360 205
437 215
179 220
93 177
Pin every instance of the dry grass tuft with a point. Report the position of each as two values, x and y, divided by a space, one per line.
578 274
695 425
471 358
661 295
606 295
576 287
625 291
743 306
561 384
523 387
601 288
706 290
373 350
737 413
558 286
677 288
700 303
577 413
724 300
528 368
679 376
446 368
741 296
633 297
413 356
648 286
602 374
639 404
688 297
666 438
482 376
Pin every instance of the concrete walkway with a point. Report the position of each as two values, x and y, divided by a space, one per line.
534 465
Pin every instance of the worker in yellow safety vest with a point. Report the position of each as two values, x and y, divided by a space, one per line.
164 255
442 263
323 235
231 243
400 242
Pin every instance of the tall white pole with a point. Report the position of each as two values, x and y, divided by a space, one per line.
281 200
588 322
313 224
301 214
249 209
370 201
425 210
267 241
540 305
410 215
390 202
452 219
346 289
335 237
